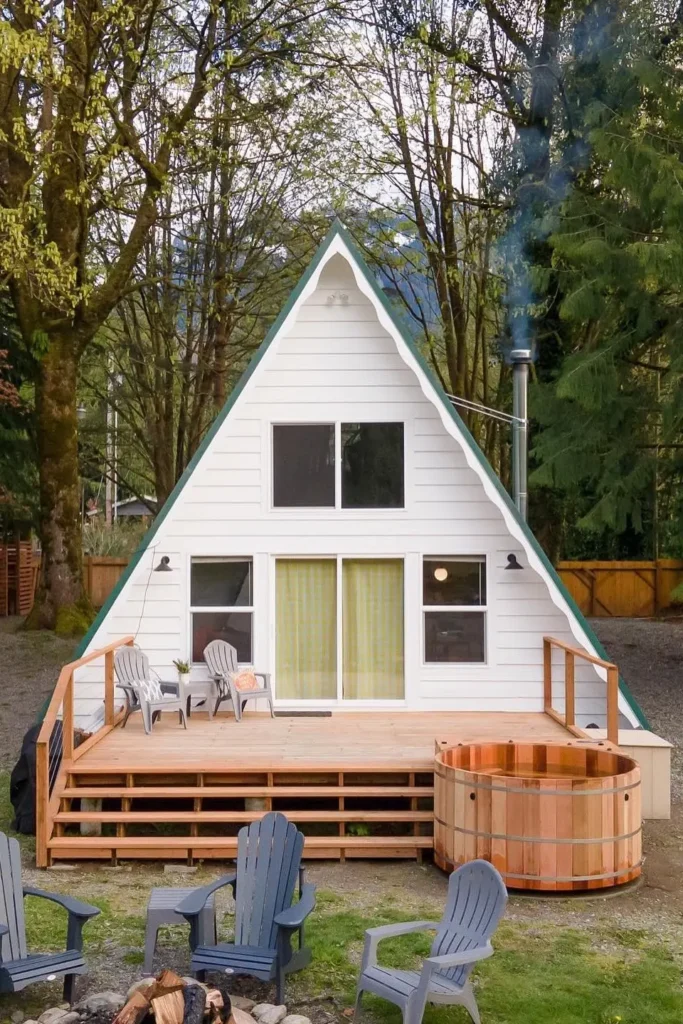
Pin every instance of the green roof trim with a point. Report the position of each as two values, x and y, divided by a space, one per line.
488 468
208 438
338 229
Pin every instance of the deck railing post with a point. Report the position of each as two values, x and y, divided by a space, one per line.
613 705
569 696
68 721
109 688
547 674
42 802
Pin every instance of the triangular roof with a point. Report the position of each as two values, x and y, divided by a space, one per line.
339 241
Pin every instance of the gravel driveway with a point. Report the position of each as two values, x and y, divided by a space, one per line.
29 666
649 654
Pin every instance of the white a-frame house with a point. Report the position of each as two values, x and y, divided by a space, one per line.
341 528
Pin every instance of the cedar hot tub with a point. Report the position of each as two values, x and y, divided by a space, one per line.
549 817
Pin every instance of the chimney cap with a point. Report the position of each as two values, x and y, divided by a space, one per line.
521 355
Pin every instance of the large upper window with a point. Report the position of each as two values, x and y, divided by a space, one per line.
303 465
454 609
372 465
222 604
344 465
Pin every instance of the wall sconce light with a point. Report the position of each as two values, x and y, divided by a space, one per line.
164 565
513 563
441 574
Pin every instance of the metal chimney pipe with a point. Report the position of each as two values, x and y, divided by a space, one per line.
521 360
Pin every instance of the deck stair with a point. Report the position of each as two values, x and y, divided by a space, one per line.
357 784
193 815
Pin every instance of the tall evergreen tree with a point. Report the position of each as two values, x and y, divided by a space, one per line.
612 417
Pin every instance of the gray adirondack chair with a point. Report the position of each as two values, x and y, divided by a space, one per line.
19 968
221 659
476 901
268 866
144 689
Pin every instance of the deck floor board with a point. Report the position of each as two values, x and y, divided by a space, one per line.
345 740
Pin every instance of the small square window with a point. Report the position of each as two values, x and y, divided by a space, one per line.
223 585
303 465
454 636
220 583
454 608
449 581
372 465
234 627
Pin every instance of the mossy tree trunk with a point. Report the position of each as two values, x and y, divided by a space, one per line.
61 601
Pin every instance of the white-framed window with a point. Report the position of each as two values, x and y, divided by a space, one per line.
338 465
454 608
222 605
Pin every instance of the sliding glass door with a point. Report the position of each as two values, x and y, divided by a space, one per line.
339 629
372 629
306 624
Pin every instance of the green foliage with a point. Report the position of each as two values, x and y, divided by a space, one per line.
539 973
358 828
611 418
118 540
18 476
74 619
28 843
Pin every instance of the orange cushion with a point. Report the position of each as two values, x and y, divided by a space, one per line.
245 680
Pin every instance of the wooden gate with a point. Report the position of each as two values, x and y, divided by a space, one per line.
628 589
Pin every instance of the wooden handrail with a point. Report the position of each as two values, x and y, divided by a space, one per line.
63 698
570 655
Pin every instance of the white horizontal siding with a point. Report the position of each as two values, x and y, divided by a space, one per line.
337 363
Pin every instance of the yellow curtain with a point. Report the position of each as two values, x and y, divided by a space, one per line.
306 624
372 629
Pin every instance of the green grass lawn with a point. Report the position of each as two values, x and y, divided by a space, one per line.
592 970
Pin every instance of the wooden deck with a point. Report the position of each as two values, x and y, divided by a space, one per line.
368 741
359 784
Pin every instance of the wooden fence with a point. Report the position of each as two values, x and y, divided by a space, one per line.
628 589
100 575
18 575
601 589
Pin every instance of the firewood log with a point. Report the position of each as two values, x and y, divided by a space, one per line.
169 1008
214 996
195 1004
219 1008
167 998
165 982
136 1008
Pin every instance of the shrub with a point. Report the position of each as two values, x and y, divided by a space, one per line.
120 540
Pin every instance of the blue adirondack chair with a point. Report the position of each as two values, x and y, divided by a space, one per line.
476 901
268 867
19 968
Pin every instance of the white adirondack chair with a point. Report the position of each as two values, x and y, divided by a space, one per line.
144 689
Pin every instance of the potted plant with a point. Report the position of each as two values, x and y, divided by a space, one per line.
183 670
